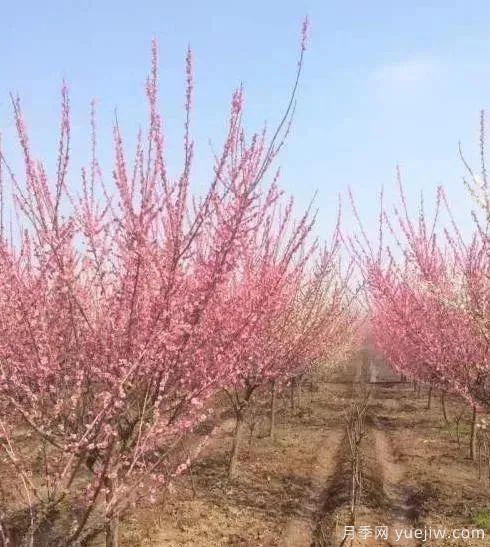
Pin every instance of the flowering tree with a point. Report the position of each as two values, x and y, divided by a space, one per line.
262 293
300 310
113 301
430 309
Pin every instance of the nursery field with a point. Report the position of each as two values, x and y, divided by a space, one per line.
296 490
192 361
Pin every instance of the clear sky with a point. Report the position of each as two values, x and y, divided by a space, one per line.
384 82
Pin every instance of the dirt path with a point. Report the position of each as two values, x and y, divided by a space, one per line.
299 531
277 494
401 511
388 506
295 491
395 514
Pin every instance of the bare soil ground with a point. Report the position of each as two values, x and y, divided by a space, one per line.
295 491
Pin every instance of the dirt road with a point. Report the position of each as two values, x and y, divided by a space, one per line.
295 491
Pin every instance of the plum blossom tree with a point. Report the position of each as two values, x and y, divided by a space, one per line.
430 308
112 336
300 309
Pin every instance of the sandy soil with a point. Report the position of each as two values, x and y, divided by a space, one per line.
294 491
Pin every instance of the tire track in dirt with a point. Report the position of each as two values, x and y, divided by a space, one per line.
299 530
401 513
328 488
389 499
336 489
399 510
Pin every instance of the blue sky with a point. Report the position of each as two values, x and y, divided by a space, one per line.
384 83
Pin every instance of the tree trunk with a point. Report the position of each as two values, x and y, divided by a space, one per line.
251 437
112 531
272 425
429 398
111 525
300 382
473 435
292 399
237 436
443 407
